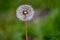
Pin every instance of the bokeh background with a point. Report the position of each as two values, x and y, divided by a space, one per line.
46 28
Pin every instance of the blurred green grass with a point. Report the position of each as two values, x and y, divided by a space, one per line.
12 28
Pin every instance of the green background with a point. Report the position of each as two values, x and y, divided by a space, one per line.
11 28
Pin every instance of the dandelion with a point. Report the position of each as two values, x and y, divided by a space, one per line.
25 12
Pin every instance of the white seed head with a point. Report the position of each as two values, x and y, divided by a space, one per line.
25 12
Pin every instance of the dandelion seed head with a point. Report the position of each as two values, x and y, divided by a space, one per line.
25 12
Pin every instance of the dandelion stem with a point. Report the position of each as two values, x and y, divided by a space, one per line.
26 30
